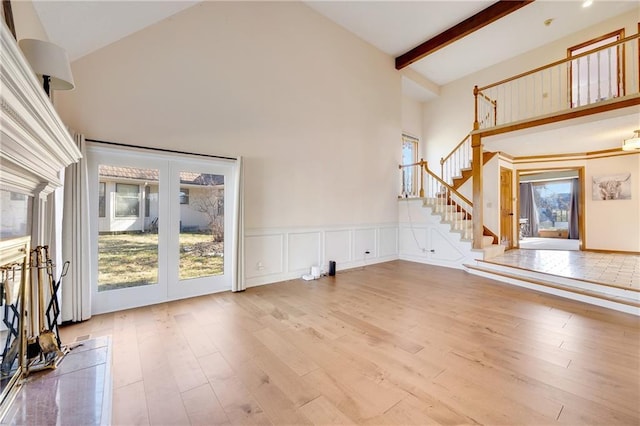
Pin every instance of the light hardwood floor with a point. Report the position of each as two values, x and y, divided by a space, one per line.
393 343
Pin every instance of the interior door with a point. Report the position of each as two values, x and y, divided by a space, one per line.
506 207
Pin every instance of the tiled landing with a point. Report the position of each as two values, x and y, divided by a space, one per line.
612 269
605 279
77 392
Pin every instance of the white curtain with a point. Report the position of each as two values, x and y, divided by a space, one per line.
76 286
237 278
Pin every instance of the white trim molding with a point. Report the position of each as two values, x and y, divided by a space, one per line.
35 144
274 255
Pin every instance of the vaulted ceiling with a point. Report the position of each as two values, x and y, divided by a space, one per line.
394 27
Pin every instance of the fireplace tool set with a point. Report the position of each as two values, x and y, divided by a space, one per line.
31 311
43 310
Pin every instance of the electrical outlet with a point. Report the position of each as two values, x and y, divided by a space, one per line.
367 252
259 266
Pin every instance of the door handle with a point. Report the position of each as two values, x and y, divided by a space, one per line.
510 214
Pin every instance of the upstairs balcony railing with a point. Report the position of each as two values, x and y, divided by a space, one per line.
603 74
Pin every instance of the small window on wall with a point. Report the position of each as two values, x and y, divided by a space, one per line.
102 206
600 75
409 156
184 196
127 200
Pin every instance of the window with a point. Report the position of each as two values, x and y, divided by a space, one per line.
409 156
127 200
101 199
184 196
597 76
552 201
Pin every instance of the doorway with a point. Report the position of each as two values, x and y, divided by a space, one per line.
162 227
551 209
506 208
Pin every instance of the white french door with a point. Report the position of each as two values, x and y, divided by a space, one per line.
161 227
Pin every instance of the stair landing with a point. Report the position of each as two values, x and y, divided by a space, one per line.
605 279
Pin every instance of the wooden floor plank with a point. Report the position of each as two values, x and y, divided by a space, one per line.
393 343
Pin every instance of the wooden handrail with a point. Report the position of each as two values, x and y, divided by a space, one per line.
442 160
561 61
419 163
488 99
449 187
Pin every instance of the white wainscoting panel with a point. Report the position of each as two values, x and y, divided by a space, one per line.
264 255
413 240
388 241
443 247
303 251
365 240
424 238
273 255
337 246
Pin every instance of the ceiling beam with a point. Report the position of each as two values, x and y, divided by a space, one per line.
479 20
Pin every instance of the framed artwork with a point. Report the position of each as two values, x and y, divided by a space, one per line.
611 187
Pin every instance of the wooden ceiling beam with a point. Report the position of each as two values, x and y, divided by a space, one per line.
479 20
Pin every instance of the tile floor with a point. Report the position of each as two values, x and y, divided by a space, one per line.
615 269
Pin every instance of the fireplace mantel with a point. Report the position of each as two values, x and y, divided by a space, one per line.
35 145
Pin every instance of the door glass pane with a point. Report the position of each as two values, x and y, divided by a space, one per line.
201 201
128 228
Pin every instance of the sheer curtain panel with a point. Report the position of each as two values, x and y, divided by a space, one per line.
76 286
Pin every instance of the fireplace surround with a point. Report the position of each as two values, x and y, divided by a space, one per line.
35 147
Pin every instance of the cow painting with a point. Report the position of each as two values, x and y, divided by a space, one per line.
612 187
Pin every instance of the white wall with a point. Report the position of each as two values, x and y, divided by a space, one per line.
314 111
613 224
412 118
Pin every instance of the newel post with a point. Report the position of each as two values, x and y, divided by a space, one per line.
478 204
476 123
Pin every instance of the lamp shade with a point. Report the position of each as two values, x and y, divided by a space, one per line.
632 144
48 59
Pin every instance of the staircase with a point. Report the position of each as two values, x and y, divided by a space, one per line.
451 206
467 172
461 222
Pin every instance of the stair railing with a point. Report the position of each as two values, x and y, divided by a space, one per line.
454 207
461 155
599 75
459 158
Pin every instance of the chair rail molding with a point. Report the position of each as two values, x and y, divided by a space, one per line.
35 145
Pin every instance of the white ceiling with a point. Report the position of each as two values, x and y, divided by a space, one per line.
82 27
394 27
